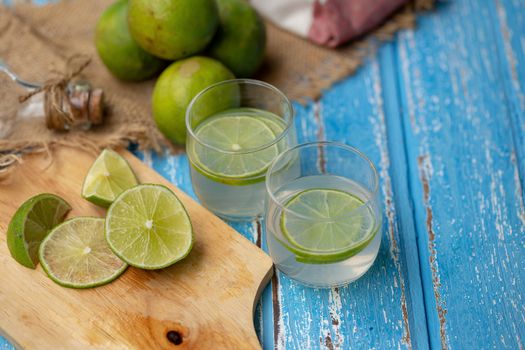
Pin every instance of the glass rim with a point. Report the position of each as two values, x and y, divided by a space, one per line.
318 144
289 124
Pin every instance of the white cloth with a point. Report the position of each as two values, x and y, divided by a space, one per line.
293 15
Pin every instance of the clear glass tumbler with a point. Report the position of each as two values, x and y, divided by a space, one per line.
235 130
323 214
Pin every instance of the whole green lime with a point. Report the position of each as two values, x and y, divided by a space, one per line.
241 38
173 29
117 49
176 87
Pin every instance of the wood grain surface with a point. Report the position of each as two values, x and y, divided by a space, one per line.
441 112
208 298
462 114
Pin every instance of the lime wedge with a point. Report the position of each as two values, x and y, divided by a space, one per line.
76 255
333 226
235 133
31 224
148 227
109 175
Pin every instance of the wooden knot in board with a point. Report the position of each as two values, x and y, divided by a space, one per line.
174 337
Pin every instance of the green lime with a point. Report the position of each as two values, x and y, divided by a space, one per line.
76 255
117 49
31 224
241 38
179 84
236 130
109 175
148 227
173 29
331 225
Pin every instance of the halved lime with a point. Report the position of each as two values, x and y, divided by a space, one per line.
331 225
31 224
76 255
235 132
109 175
148 227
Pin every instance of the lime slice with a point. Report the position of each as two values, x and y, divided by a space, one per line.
76 255
31 224
234 133
109 175
276 124
333 226
148 227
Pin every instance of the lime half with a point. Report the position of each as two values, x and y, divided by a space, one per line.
239 132
109 175
31 224
148 227
76 255
331 225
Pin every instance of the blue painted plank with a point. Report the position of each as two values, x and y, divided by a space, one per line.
372 312
463 177
404 233
509 26
5 345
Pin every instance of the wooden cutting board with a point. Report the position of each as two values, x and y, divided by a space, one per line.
208 298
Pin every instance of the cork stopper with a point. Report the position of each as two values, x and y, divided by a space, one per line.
78 106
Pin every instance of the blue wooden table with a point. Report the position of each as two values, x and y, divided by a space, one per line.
441 112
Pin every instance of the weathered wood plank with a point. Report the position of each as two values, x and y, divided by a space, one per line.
373 311
464 177
404 234
5 345
509 25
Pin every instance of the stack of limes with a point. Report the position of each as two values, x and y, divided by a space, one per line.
146 226
136 38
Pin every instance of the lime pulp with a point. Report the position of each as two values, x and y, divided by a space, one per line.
76 255
148 227
109 175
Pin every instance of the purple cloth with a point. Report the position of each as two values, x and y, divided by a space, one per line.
337 21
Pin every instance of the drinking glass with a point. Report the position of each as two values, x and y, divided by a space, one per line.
323 214
235 129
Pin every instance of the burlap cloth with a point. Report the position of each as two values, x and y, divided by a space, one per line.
36 42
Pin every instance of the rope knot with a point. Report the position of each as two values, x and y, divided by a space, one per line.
69 104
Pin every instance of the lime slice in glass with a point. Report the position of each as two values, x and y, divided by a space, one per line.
76 255
331 226
109 175
148 227
276 124
31 224
234 133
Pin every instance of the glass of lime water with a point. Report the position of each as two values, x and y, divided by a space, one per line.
235 130
323 214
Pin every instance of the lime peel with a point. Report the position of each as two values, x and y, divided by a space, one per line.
31 223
